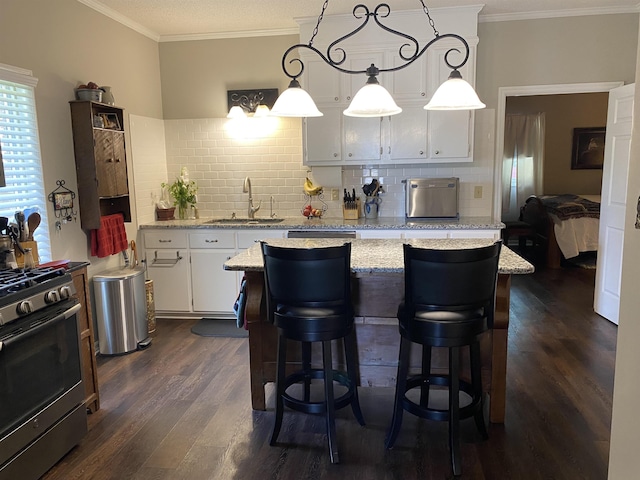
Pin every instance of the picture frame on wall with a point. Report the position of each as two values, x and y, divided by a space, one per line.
588 148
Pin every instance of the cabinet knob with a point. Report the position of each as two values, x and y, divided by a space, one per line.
211 241
437 152
336 98
351 154
421 152
335 155
164 241
423 94
349 97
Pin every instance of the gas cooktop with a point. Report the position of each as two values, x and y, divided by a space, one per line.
15 280
23 292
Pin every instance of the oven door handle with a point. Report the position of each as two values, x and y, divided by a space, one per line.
33 331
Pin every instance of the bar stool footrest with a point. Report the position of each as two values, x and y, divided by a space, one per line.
434 413
317 408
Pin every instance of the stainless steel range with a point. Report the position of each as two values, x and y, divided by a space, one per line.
42 414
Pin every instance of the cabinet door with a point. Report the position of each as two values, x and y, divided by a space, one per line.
410 83
362 139
214 289
323 138
408 133
408 235
321 81
493 234
111 167
169 270
450 132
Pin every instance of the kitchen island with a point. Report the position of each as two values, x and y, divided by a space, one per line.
378 283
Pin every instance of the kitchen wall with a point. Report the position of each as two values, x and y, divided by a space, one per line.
66 43
219 153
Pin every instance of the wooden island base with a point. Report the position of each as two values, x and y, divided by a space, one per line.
376 299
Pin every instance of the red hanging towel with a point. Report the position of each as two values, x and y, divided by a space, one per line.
110 238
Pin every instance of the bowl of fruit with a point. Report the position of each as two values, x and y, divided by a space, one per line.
309 212
90 91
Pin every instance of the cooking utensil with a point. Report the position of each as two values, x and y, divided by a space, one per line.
134 253
32 223
23 229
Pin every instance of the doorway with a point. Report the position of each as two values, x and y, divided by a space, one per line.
530 90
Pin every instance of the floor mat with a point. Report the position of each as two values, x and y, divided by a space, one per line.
584 260
210 327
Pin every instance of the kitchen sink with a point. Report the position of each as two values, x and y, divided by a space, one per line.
245 221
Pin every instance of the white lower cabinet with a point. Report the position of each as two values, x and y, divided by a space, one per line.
213 289
167 258
187 268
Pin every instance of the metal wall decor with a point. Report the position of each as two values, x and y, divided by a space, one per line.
409 51
62 199
250 99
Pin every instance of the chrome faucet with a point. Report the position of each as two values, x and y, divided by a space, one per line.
247 189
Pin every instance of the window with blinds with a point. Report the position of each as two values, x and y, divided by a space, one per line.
20 147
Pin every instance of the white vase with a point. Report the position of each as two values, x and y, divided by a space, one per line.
107 96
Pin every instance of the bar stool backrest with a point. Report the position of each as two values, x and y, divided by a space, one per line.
463 279
311 278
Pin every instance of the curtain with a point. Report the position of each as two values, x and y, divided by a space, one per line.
523 161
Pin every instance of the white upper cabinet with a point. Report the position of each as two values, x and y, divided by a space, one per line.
450 132
323 137
411 137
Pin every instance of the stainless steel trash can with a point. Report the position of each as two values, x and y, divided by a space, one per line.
121 309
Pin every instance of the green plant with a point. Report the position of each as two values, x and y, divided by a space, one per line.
183 193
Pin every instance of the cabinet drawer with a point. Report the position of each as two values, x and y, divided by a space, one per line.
165 239
212 239
248 238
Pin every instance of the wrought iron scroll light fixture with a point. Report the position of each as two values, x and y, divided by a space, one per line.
373 100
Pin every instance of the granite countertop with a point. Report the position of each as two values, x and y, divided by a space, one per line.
301 223
378 256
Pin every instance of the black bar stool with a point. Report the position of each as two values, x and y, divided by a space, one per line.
449 302
309 300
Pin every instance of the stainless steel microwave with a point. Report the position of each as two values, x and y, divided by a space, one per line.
432 197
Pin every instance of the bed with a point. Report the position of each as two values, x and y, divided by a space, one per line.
566 224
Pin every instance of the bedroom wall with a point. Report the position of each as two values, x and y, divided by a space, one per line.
563 113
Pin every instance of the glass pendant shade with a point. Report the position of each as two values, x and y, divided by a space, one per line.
455 94
372 100
295 102
261 111
236 112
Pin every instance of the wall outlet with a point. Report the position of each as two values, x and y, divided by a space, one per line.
477 191
334 194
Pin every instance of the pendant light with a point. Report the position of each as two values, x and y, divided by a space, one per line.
373 100
295 102
455 94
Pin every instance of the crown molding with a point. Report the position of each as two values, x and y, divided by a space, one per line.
126 21
573 12
222 35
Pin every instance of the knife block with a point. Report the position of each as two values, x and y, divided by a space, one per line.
352 213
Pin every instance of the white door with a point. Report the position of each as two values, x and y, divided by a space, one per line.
612 208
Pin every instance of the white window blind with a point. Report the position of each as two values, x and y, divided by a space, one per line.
20 146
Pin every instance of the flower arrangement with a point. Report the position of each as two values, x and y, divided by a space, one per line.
183 192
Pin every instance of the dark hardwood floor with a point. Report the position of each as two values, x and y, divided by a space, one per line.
181 409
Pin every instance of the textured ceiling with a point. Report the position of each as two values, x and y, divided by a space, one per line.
169 18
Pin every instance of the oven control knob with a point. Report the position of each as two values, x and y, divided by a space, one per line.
52 296
25 307
65 292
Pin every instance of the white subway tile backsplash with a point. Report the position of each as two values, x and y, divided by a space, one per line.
218 160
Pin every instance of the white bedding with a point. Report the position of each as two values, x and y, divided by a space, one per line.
576 235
